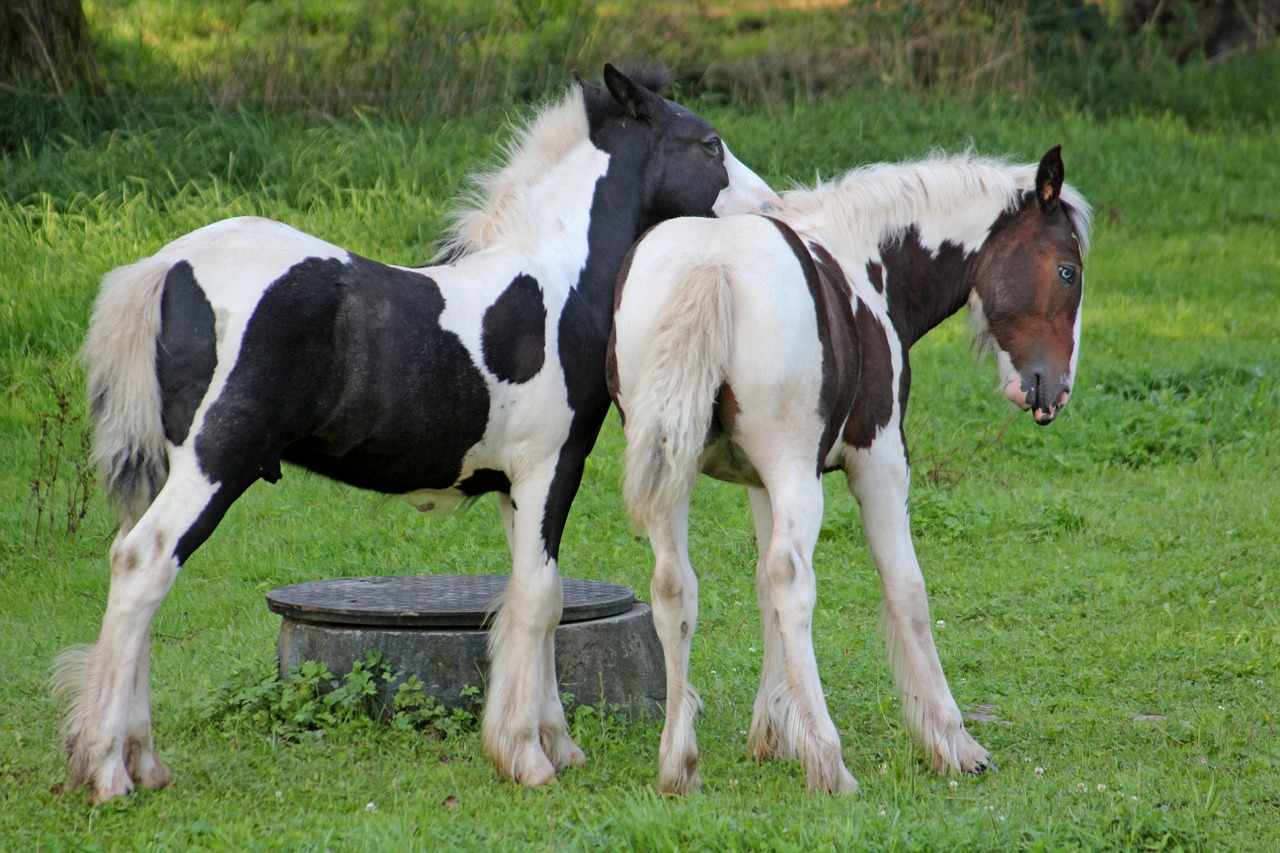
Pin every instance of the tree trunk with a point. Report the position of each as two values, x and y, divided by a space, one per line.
46 43
1218 27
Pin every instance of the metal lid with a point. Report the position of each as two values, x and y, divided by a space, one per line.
432 601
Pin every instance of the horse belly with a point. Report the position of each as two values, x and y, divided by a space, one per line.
412 406
725 461
341 366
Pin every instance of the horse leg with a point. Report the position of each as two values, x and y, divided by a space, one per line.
553 730
804 725
107 731
524 729
140 759
765 735
674 591
880 481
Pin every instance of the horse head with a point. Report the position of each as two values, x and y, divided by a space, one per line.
689 171
1027 287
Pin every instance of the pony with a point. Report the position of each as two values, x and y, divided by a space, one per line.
247 343
767 351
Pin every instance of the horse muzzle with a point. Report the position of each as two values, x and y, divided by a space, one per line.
1045 398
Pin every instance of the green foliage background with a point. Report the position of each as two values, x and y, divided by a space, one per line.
1105 586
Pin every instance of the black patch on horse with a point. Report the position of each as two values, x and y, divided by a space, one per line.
482 481
514 331
344 369
186 350
583 338
628 200
875 274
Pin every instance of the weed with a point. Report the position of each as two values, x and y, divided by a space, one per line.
310 699
62 457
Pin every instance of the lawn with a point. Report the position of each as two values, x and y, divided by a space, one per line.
1102 588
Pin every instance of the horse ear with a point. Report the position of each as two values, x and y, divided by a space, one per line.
1049 177
636 101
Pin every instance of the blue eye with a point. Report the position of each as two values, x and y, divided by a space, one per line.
1066 273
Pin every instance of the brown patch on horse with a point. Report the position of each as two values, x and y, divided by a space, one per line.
873 397
724 460
924 286
727 409
831 293
611 356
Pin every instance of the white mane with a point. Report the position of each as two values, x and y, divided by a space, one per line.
875 202
494 209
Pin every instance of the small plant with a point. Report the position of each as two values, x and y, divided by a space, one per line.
311 699
64 443
412 708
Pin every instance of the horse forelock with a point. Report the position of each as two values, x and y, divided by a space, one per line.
495 209
1081 216
655 78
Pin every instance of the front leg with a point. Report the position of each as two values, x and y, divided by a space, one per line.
524 729
879 478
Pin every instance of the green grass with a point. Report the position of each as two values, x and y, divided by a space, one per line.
1105 586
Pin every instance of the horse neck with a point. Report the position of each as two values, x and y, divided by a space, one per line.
556 221
919 230
616 219
923 285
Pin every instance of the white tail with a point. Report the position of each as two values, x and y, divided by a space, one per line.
670 406
124 392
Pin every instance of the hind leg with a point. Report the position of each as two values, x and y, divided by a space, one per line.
140 759
765 737
674 592
107 730
879 480
797 706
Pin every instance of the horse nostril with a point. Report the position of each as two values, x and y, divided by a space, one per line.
1035 389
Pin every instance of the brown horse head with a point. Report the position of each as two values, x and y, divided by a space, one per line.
1027 286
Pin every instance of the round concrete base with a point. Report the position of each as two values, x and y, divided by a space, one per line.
612 663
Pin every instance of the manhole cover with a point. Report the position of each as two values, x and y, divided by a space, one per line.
431 601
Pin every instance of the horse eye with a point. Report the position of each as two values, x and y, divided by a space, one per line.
713 145
1066 273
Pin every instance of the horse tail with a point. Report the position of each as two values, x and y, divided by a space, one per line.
669 412
124 390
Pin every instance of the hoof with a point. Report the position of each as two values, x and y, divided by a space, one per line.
844 784
682 787
117 785
964 755
563 752
681 781
152 773
828 774
534 769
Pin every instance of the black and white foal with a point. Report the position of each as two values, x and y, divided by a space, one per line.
247 343
768 351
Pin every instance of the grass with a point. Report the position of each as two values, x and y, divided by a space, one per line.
1104 587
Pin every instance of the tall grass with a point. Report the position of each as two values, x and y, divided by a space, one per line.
431 59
